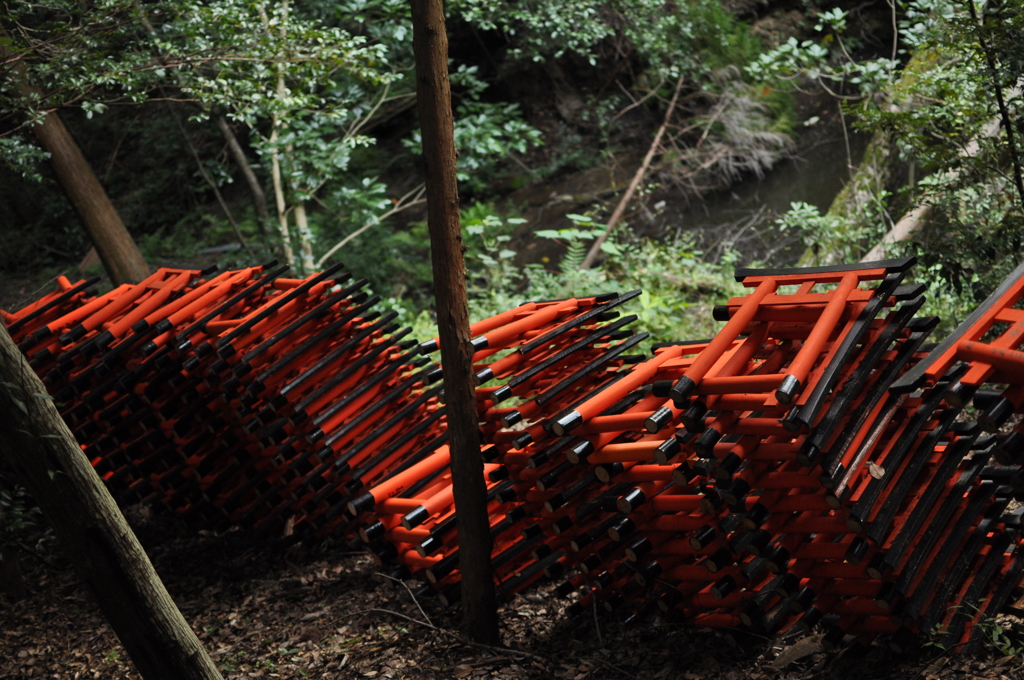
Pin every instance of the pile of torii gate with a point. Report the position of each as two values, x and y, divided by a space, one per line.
811 465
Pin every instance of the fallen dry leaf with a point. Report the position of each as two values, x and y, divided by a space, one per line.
801 649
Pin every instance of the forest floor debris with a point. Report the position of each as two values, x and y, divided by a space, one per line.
328 612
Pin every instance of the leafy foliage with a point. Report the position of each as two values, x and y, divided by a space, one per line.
830 238
942 110
18 514
318 85
679 285
485 132
672 38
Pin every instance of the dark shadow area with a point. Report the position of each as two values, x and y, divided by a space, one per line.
323 610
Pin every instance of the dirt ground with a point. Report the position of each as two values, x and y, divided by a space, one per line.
326 611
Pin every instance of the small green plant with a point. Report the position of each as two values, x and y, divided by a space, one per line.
679 285
830 238
994 636
997 638
17 515
584 229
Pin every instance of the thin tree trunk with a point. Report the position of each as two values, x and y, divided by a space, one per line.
282 206
259 198
620 209
275 152
433 92
213 185
1004 113
305 239
41 449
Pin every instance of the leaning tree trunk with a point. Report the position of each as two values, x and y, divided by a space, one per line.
121 257
433 94
259 198
638 177
41 449
881 169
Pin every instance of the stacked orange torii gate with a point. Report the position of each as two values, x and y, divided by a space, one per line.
796 470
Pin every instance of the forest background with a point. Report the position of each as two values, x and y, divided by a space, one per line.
234 131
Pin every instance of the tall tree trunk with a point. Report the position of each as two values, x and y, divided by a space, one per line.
433 93
115 246
121 257
259 198
279 201
41 449
276 123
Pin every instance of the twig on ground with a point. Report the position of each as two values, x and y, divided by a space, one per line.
597 624
454 636
34 553
409 590
610 665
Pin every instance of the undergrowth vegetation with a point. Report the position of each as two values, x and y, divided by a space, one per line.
679 284
948 99
321 97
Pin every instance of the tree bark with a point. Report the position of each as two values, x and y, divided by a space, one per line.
911 223
121 257
305 239
259 198
115 246
282 207
433 93
41 449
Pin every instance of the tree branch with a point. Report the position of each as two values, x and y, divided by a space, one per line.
588 261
